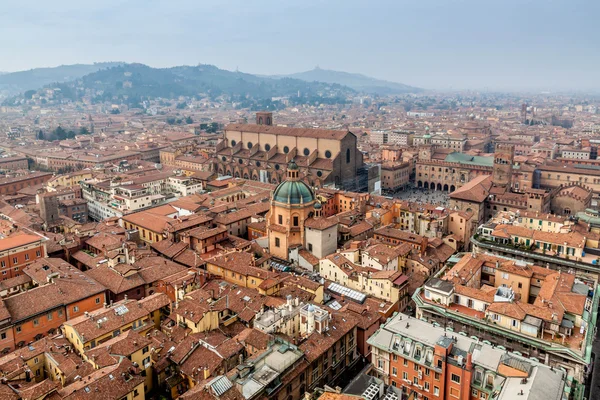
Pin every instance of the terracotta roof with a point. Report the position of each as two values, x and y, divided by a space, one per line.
317 344
285 131
111 382
61 293
476 190
320 223
18 240
253 337
89 329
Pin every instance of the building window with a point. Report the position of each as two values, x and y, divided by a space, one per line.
436 391
15 260
295 220
75 309
280 219
18 329
49 317
286 149
97 300
405 375
405 362
36 322
306 151
3 335
426 386
3 264
249 145
277 242
504 275
394 371
327 154
455 378
26 256
347 156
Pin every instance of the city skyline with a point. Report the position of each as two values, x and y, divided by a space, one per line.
431 44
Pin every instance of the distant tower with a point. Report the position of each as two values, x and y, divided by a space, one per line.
264 118
503 162
524 113
49 208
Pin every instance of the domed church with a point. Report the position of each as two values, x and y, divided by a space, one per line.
292 203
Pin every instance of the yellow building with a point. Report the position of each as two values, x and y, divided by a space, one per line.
69 180
379 284
239 268
132 345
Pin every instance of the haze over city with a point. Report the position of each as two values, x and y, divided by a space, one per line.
299 200
496 45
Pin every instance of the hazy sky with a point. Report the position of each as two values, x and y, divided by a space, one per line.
495 44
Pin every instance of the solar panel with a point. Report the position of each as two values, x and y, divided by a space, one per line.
120 310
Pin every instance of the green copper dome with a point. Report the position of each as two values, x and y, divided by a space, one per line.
293 192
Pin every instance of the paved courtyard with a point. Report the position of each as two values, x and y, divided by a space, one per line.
424 196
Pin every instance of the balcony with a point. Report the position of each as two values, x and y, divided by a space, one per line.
584 264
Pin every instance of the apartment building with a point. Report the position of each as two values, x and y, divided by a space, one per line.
388 285
12 184
536 312
542 238
428 362
395 176
18 251
13 163
94 328
61 292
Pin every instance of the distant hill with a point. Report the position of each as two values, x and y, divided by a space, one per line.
33 79
358 82
132 83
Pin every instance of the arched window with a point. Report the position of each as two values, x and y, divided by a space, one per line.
260 120
296 220
347 156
